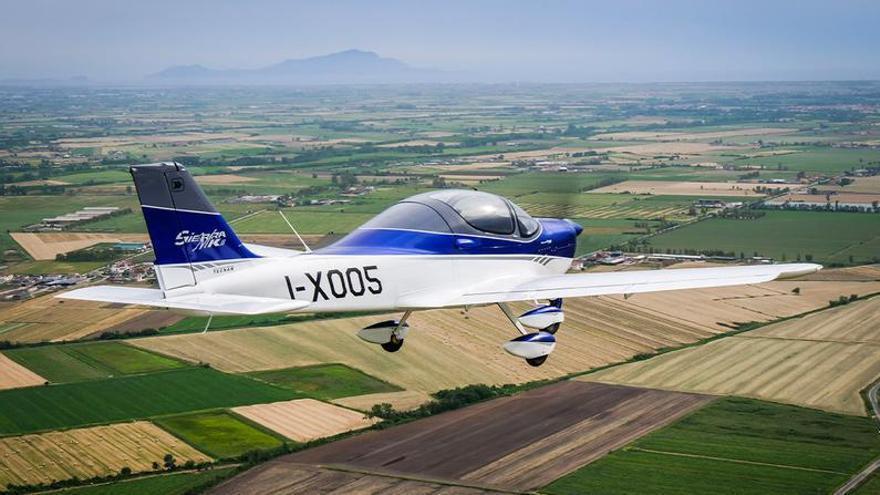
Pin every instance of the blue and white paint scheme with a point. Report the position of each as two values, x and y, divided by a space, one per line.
440 249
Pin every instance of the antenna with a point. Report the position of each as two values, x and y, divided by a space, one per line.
308 249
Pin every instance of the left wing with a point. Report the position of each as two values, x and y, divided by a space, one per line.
627 282
216 304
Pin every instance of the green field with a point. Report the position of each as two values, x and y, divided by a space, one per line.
21 211
519 185
632 471
870 487
816 159
48 267
601 233
607 206
219 434
307 220
165 484
77 362
830 237
130 397
748 446
326 381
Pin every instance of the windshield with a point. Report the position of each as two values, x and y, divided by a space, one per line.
527 225
482 211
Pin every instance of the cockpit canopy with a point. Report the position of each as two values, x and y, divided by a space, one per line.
458 211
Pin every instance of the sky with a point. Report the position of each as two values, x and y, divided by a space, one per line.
499 41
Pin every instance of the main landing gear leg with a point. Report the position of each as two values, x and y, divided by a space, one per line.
533 347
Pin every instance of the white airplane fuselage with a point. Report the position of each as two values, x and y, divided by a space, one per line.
339 283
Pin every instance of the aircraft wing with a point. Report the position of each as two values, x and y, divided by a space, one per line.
629 282
217 304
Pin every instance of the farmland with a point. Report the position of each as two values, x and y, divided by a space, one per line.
779 449
88 452
695 188
76 362
828 237
598 332
325 479
219 434
401 401
13 375
46 246
130 397
504 447
796 361
169 484
46 318
326 381
628 163
302 420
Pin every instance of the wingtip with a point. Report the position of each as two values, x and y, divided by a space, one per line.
798 269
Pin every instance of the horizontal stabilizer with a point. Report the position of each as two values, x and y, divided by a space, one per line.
631 282
217 304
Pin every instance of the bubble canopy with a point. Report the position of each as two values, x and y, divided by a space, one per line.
458 211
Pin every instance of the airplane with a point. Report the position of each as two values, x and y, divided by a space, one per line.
445 248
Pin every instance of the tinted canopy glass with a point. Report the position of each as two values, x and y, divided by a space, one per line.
411 216
528 226
482 211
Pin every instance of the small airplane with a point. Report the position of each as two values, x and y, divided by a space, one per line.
440 249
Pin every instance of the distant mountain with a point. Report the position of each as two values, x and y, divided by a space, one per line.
349 66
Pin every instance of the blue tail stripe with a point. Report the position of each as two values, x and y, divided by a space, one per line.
188 237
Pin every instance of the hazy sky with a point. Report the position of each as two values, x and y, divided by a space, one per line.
566 41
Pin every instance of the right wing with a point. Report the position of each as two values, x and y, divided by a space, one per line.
627 282
216 304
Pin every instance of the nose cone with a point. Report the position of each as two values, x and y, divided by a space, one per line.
577 227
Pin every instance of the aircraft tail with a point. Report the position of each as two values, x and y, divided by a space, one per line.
188 234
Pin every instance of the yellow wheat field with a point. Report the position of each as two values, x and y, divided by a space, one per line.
821 361
673 188
48 318
14 375
302 420
89 452
402 401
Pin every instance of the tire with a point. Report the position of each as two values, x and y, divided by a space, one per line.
393 345
552 329
538 361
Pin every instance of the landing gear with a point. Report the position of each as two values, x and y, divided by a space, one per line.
389 334
552 329
538 361
534 347
393 345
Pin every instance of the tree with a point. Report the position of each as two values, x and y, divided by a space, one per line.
169 462
796 291
125 471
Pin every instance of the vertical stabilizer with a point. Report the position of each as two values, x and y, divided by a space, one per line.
186 231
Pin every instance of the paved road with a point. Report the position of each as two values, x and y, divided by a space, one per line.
858 479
